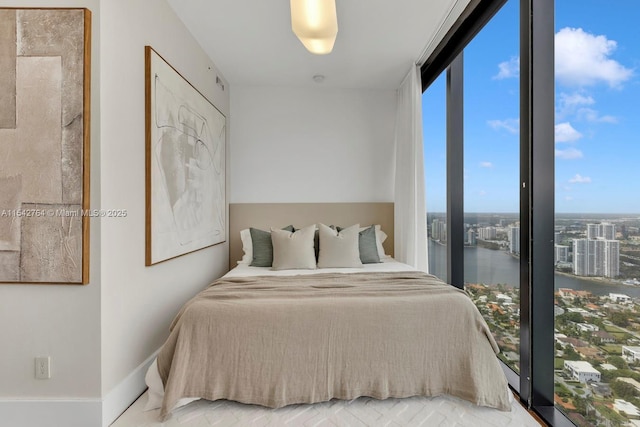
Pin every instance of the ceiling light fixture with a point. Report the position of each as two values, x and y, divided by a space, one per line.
315 23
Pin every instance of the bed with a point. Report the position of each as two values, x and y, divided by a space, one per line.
275 338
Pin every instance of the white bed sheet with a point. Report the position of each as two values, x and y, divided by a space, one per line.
387 264
152 378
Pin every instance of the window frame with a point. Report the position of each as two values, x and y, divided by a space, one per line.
535 384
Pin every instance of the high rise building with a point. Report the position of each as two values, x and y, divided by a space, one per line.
607 231
603 230
439 230
596 257
514 240
435 229
487 233
580 257
561 253
471 237
612 258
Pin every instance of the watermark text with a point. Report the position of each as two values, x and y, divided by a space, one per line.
63 213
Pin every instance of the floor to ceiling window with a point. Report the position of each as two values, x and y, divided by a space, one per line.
491 177
435 144
597 221
499 165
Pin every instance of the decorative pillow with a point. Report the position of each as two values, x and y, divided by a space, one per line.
262 255
316 242
293 250
339 249
247 247
381 236
367 245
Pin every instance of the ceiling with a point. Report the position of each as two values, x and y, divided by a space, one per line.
251 41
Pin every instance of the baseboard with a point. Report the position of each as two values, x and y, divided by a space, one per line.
51 413
77 412
124 394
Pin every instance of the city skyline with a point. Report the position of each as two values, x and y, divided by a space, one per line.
593 250
597 84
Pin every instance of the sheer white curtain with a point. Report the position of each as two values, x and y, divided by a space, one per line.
410 211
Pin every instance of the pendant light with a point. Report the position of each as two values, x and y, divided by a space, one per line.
315 23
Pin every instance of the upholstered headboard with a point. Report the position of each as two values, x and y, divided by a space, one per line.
266 215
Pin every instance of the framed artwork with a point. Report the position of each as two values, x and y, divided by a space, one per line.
185 165
45 72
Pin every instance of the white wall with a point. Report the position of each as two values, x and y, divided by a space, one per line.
61 321
99 335
312 145
138 302
289 144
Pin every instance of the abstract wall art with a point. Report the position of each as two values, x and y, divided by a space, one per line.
44 145
185 165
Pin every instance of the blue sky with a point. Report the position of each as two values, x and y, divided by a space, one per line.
597 113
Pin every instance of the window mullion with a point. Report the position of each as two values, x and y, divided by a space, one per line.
455 173
537 196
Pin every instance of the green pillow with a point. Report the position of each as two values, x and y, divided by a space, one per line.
262 247
368 245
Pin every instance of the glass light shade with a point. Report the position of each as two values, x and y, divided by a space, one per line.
315 23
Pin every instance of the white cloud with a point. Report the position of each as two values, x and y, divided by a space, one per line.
579 179
570 103
575 99
592 115
582 59
607 119
510 125
486 164
564 132
569 154
578 106
482 193
508 69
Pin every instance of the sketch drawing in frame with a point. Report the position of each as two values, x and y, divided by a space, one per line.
185 165
45 79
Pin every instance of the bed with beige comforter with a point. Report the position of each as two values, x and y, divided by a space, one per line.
275 341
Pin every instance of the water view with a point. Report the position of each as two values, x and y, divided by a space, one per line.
488 266
597 304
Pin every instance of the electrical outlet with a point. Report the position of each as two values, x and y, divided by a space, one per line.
43 368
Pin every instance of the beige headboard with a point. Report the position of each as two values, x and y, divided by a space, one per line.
266 215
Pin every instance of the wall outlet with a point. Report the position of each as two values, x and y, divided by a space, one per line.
43 368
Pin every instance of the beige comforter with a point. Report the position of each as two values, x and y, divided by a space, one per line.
275 341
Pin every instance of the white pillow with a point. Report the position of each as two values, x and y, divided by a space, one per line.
381 236
339 249
293 250
247 246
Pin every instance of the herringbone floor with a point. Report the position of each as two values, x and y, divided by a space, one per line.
362 412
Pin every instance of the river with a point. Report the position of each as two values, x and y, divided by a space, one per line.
492 267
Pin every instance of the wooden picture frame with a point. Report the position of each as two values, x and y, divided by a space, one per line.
185 165
45 81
